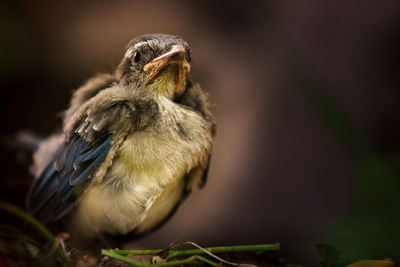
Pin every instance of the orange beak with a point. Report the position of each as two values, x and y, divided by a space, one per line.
174 56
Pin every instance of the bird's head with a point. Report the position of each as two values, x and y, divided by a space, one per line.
156 63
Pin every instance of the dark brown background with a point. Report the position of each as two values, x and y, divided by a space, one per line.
280 172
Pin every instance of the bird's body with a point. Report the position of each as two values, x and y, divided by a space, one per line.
134 144
147 180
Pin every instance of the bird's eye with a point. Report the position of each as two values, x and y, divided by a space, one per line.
136 57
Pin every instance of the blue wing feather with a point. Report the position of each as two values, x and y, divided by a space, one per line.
55 192
85 163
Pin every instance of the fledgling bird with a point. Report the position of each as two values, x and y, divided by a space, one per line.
134 144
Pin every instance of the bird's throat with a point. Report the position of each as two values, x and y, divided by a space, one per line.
170 80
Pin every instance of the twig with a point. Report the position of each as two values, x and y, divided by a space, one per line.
218 258
248 248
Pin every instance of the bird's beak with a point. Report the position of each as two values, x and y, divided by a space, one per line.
174 56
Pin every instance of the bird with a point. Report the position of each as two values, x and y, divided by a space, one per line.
134 143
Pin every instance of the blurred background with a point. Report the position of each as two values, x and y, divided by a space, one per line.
305 94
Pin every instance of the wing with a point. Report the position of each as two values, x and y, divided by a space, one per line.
92 135
55 192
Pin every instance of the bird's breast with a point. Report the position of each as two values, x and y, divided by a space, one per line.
145 180
177 141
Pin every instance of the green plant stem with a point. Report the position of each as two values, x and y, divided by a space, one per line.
111 253
210 262
38 226
190 260
189 252
135 251
214 250
18 212
193 253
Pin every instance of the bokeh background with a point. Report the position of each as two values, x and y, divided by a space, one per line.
305 94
